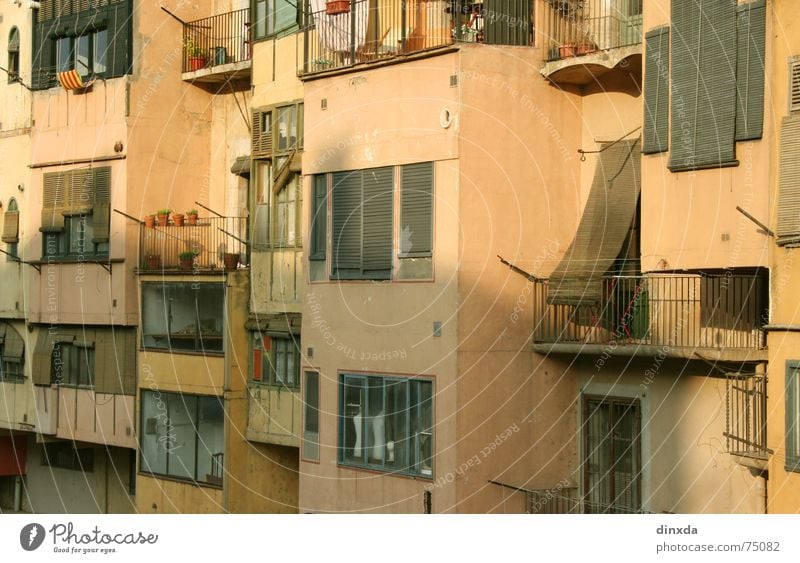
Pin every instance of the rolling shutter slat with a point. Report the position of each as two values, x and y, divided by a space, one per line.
54 202
656 92
416 215
788 230
751 33
319 219
377 221
11 227
346 224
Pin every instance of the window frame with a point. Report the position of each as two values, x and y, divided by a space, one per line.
64 241
13 66
12 248
415 465
162 397
78 358
310 447
269 360
270 18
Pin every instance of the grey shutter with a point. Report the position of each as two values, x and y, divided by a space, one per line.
377 220
13 345
54 198
319 219
791 415
11 227
751 37
507 22
43 67
114 358
416 210
101 212
794 85
606 221
120 24
346 248
703 83
788 230
656 92
42 358
261 140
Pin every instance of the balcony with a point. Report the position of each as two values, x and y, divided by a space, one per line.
211 245
746 419
590 38
216 49
686 316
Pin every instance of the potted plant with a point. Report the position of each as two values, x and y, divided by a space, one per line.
195 54
187 259
150 221
566 50
191 217
231 260
163 217
586 44
333 7
152 262
177 219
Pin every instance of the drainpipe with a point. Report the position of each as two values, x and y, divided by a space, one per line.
18 493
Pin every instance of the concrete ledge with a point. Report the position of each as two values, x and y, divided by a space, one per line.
650 351
586 68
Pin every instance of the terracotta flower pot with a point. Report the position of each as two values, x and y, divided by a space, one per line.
566 51
186 263
152 262
196 63
150 221
177 219
163 219
333 7
191 218
231 260
585 49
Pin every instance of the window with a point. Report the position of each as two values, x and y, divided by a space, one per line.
286 219
183 317
386 423
13 55
311 417
611 455
656 98
182 436
792 416
12 348
362 232
72 365
66 455
274 16
788 231
75 213
93 38
276 360
794 85
11 230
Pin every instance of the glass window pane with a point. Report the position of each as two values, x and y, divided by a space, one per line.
285 14
425 414
280 360
311 417
287 127
352 421
210 440
82 55
76 227
260 27
270 17
376 428
397 439
63 54
210 310
154 439
100 49
181 435
155 315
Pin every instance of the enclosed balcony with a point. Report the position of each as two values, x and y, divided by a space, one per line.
589 38
342 34
689 316
216 49
206 245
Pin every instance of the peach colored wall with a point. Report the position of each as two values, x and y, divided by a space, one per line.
99 418
686 214
163 496
784 486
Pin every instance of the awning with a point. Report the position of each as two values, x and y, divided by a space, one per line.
241 166
605 223
71 80
277 323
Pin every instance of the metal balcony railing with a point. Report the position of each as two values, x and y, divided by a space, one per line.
669 311
564 500
368 31
573 28
216 40
746 416
214 243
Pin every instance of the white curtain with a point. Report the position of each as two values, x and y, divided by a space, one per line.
334 31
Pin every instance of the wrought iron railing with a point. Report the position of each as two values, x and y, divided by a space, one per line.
669 311
558 500
366 31
572 28
746 415
213 243
216 40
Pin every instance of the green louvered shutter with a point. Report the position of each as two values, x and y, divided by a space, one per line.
119 39
751 35
507 22
101 212
377 237
319 217
54 200
416 210
788 230
656 91
347 209
791 416
703 83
